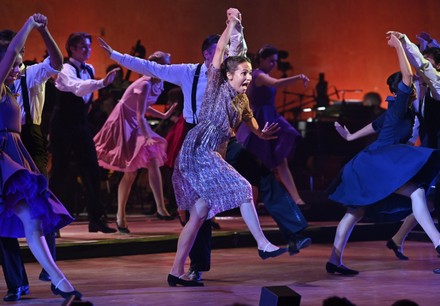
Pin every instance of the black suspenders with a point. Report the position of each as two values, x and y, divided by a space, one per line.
194 92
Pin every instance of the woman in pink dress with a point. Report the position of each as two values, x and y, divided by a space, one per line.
127 143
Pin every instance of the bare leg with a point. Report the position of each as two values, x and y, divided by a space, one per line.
198 215
155 180
37 244
288 182
343 232
408 224
399 237
123 193
250 217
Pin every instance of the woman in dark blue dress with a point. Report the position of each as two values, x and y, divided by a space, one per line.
385 170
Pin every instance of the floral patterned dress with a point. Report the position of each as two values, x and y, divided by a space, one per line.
200 170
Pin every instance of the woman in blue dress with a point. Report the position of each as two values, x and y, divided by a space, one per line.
385 170
27 208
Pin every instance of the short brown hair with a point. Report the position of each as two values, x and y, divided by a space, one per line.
74 39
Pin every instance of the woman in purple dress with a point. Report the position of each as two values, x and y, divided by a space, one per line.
126 142
274 154
27 208
380 179
204 183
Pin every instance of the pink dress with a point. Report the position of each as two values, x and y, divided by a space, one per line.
120 145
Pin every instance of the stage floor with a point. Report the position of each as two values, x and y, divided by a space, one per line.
237 273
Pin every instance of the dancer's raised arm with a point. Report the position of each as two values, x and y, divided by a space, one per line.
15 47
233 18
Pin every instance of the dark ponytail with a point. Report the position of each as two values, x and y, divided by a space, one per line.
230 64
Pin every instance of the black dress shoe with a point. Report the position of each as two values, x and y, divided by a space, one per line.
393 246
173 281
276 253
341 269
44 276
100 226
297 244
15 294
66 295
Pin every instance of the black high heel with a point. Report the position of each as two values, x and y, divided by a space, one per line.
265 255
122 230
393 246
341 269
65 295
166 218
173 281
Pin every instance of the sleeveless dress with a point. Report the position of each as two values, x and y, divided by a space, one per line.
120 145
200 169
21 181
270 152
372 176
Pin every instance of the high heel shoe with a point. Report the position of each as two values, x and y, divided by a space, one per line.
166 218
395 248
65 295
122 230
341 269
265 255
173 281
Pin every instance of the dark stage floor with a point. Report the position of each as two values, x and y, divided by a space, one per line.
102 268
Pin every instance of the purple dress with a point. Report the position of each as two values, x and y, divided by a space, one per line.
200 170
21 181
120 144
271 153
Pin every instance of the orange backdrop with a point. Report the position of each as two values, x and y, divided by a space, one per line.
345 39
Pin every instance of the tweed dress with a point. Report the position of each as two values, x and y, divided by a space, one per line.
200 170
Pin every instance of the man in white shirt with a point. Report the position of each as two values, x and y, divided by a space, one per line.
70 132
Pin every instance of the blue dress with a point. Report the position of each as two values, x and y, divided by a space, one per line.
373 175
20 179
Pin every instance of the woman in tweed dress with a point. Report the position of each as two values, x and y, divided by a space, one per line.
204 183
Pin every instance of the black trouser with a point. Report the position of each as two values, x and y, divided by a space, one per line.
66 140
